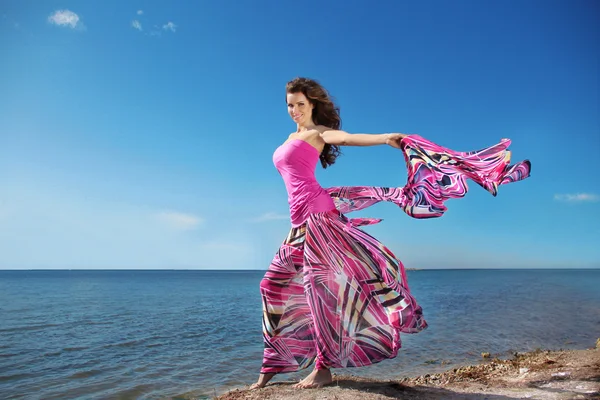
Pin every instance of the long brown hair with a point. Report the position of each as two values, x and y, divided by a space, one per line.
325 112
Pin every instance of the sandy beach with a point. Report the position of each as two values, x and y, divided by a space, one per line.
568 374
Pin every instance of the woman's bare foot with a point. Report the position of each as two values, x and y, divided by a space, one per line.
318 378
263 379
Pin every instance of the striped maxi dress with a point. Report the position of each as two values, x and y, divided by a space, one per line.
337 297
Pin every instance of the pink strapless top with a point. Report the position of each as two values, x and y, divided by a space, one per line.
296 161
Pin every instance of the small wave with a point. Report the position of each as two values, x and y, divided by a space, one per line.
129 343
75 348
200 334
134 392
96 323
6 378
29 328
85 374
197 394
135 342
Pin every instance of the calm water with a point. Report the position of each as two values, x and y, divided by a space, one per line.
157 334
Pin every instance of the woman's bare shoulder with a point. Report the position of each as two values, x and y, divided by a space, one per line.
314 137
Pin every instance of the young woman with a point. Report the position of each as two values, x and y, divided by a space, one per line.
334 295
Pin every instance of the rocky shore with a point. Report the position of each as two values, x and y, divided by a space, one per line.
568 374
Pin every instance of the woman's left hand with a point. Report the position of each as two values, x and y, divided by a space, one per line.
394 139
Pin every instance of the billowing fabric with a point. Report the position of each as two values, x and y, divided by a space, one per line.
435 174
334 295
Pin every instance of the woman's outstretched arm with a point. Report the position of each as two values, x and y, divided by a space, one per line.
342 138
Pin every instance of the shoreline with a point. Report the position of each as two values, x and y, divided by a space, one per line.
540 374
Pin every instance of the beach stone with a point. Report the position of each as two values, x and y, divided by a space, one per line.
561 374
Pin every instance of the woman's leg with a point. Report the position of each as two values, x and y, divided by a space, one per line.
288 329
320 376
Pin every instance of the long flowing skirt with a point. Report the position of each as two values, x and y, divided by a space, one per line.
336 296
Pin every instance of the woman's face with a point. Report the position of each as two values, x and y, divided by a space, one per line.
299 108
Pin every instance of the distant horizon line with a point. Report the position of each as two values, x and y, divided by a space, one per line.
256 270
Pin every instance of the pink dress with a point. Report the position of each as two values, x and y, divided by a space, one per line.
295 161
333 294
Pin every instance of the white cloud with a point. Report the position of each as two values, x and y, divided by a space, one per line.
577 197
270 216
169 26
65 18
140 12
136 24
180 221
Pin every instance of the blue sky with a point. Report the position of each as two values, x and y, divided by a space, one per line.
140 134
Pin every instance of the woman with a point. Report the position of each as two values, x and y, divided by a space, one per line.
333 294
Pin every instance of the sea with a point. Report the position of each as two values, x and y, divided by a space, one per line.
194 334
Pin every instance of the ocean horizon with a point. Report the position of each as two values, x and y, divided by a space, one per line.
264 270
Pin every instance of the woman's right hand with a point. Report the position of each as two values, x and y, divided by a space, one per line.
394 139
